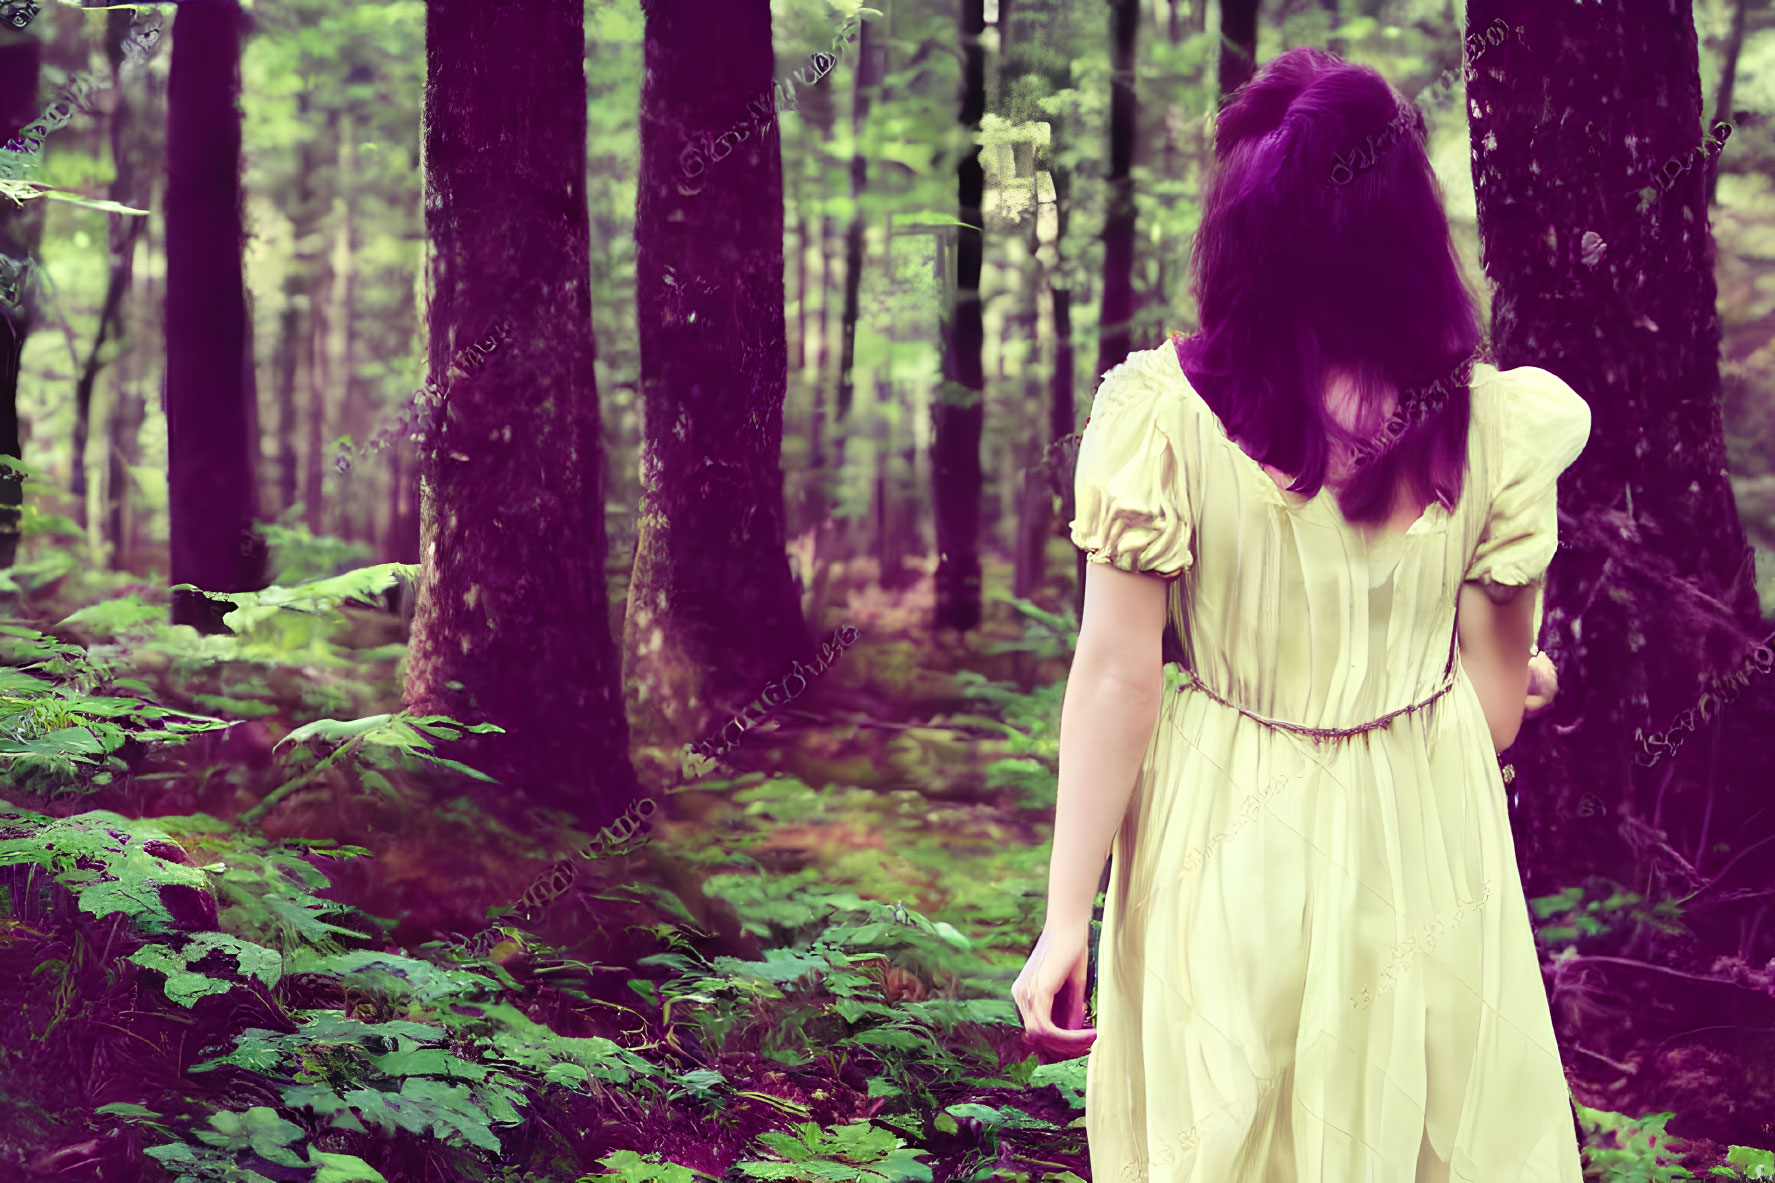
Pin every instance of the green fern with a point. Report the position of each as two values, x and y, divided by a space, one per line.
1622 1149
100 857
856 1151
185 985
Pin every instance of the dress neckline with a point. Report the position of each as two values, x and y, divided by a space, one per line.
1293 502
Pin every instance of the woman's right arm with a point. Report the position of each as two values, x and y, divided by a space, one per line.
1494 625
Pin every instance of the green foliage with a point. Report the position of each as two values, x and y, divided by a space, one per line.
1568 917
626 1166
100 857
1622 1149
854 1151
282 621
1747 1162
185 985
366 749
266 893
297 554
57 736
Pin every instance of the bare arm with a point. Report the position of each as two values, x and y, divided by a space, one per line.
1112 701
1495 628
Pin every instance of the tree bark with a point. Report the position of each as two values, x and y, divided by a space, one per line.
861 85
21 229
823 357
512 619
1238 44
959 413
212 491
318 267
1034 505
1115 325
1722 108
713 615
123 232
1652 589
800 282
353 507
134 151
289 327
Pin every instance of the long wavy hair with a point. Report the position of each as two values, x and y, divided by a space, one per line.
1324 251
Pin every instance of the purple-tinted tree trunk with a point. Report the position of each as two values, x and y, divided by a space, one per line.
712 612
862 85
959 411
512 620
1604 276
21 228
1115 323
1238 44
211 487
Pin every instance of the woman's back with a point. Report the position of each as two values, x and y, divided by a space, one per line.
1319 804
1288 608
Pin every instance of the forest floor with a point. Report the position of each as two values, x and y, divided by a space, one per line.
224 953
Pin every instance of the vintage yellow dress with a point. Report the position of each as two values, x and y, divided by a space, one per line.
1316 962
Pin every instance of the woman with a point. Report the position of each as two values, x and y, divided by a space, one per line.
1316 962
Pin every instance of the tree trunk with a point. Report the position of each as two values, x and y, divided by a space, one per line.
127 414
289 327
1238 44
1034 505
21 229
817 430
1722 108
861 83
317 264
353 507
123 232
1652 589
800 284
212 493
302 478
959 414
512 618
1115 325
134 153
713 614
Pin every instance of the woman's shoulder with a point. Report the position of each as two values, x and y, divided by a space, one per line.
1150 379
1530 415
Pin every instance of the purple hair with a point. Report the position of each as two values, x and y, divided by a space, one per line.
1307 266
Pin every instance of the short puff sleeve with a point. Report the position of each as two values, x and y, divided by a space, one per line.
1534 427
1132 508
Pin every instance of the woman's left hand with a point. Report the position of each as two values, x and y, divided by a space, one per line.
1543 685
1052 987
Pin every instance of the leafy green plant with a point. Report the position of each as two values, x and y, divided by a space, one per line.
1572 917
56 736
857 1150
626 1166
1641 1152
366 749
298 554
101 857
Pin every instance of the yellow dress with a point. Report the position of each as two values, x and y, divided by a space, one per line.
1316 963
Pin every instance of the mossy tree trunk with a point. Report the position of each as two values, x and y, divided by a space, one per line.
21 229
712 614
512 622
1604 276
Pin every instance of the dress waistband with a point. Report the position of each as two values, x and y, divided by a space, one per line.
1319 734
1322 733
